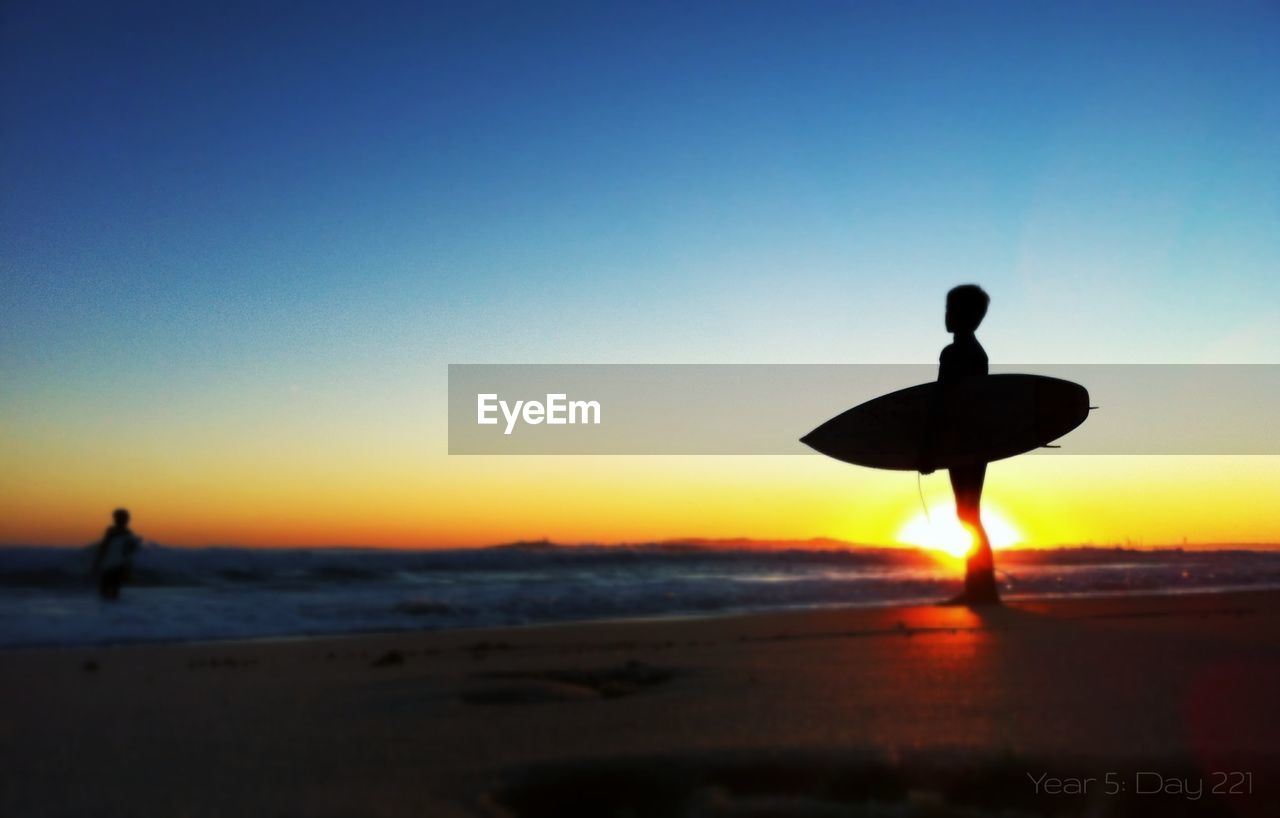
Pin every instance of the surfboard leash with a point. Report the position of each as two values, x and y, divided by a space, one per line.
923 505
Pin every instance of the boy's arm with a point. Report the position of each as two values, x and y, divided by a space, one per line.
929 434
933 417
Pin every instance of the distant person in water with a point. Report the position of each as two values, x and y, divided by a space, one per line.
114 557
964 357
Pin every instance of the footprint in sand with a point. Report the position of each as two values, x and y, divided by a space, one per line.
540 686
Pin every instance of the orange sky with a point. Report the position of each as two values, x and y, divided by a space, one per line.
381 495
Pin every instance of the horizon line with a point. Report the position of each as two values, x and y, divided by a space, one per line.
726 543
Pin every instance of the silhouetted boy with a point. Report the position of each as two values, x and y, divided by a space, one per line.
114 557
964 357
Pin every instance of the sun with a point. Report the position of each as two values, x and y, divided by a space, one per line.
941 530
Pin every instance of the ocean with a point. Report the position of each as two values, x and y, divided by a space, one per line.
191 594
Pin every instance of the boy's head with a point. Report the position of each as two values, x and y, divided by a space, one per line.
121 516
966 307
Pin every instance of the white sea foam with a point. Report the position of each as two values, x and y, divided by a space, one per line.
232 593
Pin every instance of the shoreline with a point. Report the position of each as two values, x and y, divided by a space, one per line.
1009 600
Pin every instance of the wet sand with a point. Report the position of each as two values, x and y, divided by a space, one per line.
894 711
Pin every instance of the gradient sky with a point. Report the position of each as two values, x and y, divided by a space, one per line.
240 242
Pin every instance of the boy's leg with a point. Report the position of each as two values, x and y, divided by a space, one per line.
980 579
109 586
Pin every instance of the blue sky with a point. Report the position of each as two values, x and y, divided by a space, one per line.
215 184
213 202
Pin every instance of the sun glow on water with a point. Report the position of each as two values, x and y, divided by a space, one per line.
941 530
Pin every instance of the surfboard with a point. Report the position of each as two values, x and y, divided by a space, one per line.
971 420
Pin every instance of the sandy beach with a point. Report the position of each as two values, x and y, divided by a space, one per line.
888 711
